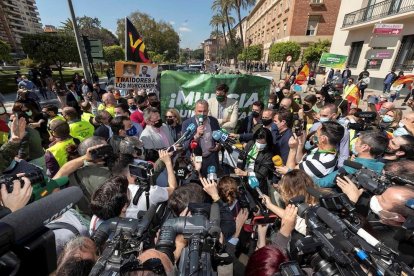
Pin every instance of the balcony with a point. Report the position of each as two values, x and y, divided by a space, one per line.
316 2
378 11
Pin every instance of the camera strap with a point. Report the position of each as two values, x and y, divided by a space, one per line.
80 184
63 225
137 196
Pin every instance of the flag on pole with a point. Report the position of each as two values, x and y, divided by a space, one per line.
134 45
352 95
408 79
303 75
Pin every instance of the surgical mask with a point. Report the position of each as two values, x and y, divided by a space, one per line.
29 113
260 146
132 131
400 132
255 114
353 149
220 98
2 110
266 122
387 119
155 104
375 206
323 119
158 124
401 124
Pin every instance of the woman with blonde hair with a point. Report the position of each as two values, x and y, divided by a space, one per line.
173 120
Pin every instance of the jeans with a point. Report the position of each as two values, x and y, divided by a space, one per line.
410 94
387 87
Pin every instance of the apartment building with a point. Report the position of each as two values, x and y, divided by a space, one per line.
18 17
303 21
359 36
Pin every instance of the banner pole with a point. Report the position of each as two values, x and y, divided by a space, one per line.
126 39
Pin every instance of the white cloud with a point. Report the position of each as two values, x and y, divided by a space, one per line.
184 29
172 22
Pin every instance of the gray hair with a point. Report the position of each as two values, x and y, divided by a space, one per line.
148 111
90 142
202 101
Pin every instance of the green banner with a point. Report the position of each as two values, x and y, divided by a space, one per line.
332 61
181 90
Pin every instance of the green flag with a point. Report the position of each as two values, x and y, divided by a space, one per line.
181 90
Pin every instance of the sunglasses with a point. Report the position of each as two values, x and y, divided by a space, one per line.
153 264
169 117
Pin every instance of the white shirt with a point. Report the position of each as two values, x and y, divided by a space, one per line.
157 194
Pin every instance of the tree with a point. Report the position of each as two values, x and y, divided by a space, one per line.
312 54
113 53
5 50
51 49
159 37
223 7
253 52
198 54
237 5
279 52
220 19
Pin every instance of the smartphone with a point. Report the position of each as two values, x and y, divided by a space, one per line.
199 159
263 220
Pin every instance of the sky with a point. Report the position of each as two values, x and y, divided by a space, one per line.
190 18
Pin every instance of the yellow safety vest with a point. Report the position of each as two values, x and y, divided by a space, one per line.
86 117
59 151
110 109
81 130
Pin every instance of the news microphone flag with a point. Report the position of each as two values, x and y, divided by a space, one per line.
135 49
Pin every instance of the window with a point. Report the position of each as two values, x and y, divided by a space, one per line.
278 30
312 25
356 48
374 63
284 27
405 57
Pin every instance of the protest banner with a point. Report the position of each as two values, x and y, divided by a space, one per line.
332 61
181 90
131 75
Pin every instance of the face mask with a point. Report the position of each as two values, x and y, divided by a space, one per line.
308 145
323 119
170 121
2 110
266 122
375 205
382 111
46 115
133 107
298 101
220 98
132 131
260 146
315 139
401 124
155 104
391 152
353 149
29 113
255 114
400 132
387 119
158 124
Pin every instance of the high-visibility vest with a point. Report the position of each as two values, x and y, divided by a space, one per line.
81 130
86 117
110 109
59 151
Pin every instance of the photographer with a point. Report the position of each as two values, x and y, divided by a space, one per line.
17 199
86 172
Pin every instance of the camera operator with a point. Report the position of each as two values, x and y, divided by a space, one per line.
17 199
10 149
369 146
157 194
86 172
400 147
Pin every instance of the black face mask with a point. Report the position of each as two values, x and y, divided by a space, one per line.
155 104
158 124
133 107
170 121
266 122
255 114
45 115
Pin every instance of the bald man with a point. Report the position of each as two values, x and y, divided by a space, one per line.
108 103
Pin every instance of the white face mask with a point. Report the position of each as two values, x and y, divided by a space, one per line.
260 146
375 205
400 124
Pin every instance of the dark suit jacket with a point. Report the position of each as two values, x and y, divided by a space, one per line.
71 101
245 129
348 75
212 159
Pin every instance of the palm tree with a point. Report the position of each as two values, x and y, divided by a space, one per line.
223 6
237 5
220 20
67 26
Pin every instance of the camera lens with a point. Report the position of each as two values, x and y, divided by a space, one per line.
322 266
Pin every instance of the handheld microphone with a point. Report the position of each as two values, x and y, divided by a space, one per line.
254 184
277 161
189 131
200 120
193 145
222 137
32 217
211 173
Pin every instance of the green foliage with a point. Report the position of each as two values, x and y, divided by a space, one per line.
198 54
241 56
314 51
279 51
113 53
253 52
51 49
159 36
155 57
5 50
27 62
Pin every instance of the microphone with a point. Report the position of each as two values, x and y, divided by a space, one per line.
333 221
215 229
200 120
211 173
353 164
193 145
189 131
410 203
359 253
277 161
222 137
254 184
30 218
146 220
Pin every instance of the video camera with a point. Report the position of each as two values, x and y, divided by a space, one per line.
34 177
105 152
368 118
144 172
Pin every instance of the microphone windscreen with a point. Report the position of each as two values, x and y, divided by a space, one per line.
277 161
333 221
211 169
217 135
30 218
253 182
353 164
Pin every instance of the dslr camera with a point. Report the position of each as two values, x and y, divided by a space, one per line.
34 178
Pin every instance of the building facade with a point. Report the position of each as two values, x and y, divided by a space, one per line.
303 21
379 53
18 17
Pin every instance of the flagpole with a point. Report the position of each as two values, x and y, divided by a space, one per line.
126 40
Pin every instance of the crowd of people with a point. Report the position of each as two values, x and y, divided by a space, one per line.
126 157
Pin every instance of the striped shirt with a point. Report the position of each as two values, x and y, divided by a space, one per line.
319 163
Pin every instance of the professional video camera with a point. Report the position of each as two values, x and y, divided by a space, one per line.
144 172
368 118
201 256
130 237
